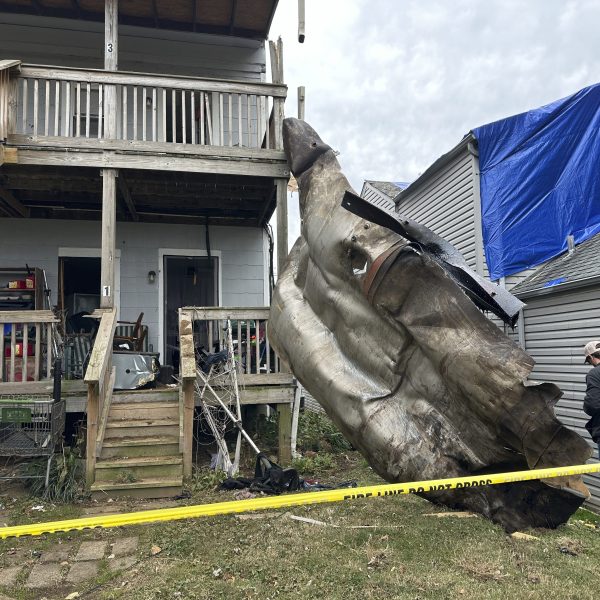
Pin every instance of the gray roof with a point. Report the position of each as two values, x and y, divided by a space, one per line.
580 265
389 188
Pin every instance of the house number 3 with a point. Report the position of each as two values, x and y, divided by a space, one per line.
109 47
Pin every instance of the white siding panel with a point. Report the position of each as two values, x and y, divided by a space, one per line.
557 326
377 197
444 203
72 43
36 242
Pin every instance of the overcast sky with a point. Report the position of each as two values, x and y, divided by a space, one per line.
393 84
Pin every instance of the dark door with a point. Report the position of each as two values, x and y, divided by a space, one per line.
188 281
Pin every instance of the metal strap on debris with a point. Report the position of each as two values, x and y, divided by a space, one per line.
284 501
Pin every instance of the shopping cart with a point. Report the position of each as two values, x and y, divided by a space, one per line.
30 426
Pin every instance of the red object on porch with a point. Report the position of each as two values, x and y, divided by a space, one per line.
19 350
18 376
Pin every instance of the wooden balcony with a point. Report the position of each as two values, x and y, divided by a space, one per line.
57 116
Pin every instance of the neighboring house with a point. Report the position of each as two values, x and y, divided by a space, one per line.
140 172
382 193
446 199
562 313
563 293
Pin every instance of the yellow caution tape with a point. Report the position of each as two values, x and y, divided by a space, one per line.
272 502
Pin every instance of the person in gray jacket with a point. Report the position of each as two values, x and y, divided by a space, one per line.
591 402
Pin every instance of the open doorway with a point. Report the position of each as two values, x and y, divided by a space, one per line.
78 288
188 281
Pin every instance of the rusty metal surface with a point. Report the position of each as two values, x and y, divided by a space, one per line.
403 361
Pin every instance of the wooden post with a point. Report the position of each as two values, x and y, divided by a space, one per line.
285 433
93 409
301 101
13 102
282 224
187 372
188 425
276 54
109 217
111 63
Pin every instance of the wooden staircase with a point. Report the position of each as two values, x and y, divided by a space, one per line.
140 454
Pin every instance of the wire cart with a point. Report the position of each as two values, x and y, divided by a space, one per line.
30 426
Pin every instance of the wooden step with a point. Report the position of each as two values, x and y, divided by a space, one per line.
130 470
123 447
144 488
141 428
145 396
144 410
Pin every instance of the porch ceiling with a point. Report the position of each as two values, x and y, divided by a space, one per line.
144 196
241 18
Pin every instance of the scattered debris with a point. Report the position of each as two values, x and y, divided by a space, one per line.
73 595
377 560
155 550
518 535
253 516
309 521
218 572
38 508
459 514
569 546
244 495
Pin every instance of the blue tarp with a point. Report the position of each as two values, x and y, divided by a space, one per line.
540 181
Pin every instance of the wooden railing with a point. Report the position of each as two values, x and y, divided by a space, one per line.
8 98
26 345
100 379
258 362
67 102
187 372
260 370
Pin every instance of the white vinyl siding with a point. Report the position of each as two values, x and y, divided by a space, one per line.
444 202
557 325
73 43
377 197
242 252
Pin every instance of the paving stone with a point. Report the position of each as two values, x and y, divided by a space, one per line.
91 551
109 509
44 575
20 557
82 571
118 564
57 553
124 546
8 575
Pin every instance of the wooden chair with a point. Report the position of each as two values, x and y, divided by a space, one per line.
135 341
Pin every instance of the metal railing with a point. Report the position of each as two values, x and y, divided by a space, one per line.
71 103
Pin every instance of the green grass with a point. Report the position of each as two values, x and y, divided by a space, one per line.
376 548
383 547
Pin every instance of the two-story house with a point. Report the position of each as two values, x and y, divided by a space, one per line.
141 160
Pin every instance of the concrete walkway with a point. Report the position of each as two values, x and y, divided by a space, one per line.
67 564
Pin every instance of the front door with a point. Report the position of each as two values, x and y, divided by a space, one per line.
188 281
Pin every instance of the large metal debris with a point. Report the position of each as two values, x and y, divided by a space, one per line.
385 331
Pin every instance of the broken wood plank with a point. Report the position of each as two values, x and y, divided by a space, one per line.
124 188
8 197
